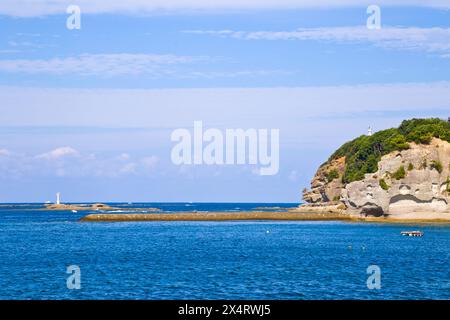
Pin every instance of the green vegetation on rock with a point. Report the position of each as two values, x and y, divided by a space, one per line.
437 165
333 174
384 185
399 174
363 153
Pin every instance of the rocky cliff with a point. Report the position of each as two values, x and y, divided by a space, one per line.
412 182
326 186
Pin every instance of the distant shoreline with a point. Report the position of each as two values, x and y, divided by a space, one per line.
249 216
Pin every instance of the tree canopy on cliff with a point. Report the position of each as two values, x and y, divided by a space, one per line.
363 153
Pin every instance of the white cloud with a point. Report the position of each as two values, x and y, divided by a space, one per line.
312 117
150 162
27 8
309 118
233 107
59 153
236 74
431 40
4 153
129 168
124 157
16 44
68 162
9 51
109 65
100 64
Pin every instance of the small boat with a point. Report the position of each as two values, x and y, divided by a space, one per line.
74 211
412 233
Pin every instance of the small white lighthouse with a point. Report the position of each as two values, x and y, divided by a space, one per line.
58 198
369 131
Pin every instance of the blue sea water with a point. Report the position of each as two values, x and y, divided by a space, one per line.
215 260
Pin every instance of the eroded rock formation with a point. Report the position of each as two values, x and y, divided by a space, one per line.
324 186
412 183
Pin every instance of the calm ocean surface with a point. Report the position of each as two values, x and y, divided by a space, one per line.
216 260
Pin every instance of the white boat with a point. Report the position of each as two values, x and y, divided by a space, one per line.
412 233
74 211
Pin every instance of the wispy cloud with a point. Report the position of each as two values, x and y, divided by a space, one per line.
289 108
111 65
69 162
27 8
20 43
149 162
100 64
4 153
236 74
59 153
9 51
430 40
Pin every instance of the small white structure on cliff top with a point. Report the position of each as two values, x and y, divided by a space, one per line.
369 131
58 198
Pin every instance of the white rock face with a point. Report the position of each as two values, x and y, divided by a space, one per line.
422 193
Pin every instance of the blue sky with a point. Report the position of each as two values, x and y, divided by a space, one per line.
89 112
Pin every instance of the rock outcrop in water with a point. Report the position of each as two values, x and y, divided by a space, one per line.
65 207
411 183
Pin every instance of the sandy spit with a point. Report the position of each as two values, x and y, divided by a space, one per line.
215 216
250 216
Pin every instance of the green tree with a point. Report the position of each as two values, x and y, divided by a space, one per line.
363 154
